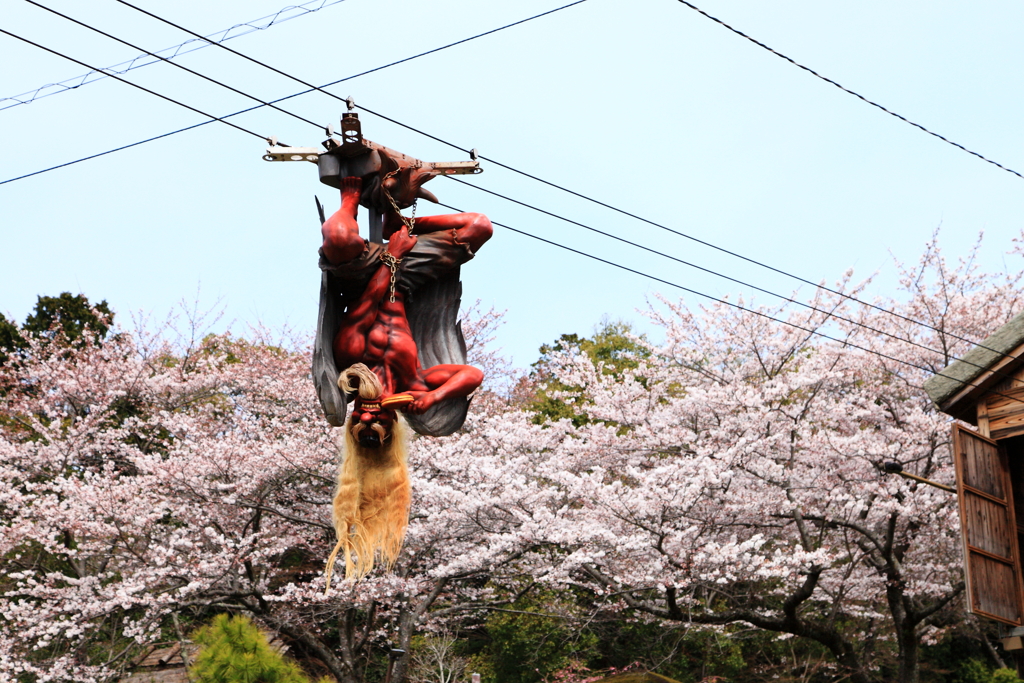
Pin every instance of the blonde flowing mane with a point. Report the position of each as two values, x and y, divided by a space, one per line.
366 381
371 503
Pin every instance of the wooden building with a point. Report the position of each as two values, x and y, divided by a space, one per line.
985 388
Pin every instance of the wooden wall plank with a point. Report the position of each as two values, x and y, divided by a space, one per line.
1005 413
994 588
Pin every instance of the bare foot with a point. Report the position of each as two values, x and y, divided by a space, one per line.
425 400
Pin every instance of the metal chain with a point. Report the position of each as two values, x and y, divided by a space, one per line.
392 263
409 222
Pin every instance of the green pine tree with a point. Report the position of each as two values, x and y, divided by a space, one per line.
234 651
72 313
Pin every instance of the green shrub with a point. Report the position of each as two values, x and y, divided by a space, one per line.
232 650
1005 676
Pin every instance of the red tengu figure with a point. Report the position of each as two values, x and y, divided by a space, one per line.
389 312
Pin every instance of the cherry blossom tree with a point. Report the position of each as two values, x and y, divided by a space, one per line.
146 486
734 474
730 473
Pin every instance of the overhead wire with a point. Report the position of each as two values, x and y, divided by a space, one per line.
745 309
172 63
293 95
312 87
847 90
505 197
134 85
697 240
284 14
580 252
701 268
559 187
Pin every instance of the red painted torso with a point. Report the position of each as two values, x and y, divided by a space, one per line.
387 348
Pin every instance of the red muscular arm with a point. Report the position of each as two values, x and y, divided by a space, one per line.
473 229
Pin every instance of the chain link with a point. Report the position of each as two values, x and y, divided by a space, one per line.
409 222
392 263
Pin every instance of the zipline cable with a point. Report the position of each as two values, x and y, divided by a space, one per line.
845 89
577 194
284 14
493 161
293 95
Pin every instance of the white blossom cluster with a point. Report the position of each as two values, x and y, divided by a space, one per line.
729 473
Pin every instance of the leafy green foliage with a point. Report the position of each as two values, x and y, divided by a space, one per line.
685 655
976 671
234 651
612 345
10 338
527 645
1005 676
71 314
65 317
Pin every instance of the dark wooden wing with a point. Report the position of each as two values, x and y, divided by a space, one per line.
325 373
433 315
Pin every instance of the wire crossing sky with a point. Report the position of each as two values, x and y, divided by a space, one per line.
543 132
594 230
234 31
691 291
848 91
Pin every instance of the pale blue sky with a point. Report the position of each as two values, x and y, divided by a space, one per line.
646 105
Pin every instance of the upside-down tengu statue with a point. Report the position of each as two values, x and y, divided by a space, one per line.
388 337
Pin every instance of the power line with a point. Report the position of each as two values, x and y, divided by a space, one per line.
847 90
191 45
606 234
174 64
118 149
666 282
288 97
706 270
689 237
134 85
844 342
295 78
564 189
841 294
677 232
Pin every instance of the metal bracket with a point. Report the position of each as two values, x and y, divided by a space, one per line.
281 153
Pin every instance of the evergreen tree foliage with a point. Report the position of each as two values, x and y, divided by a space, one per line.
234 651
10 338
612 345
530 643
71 313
